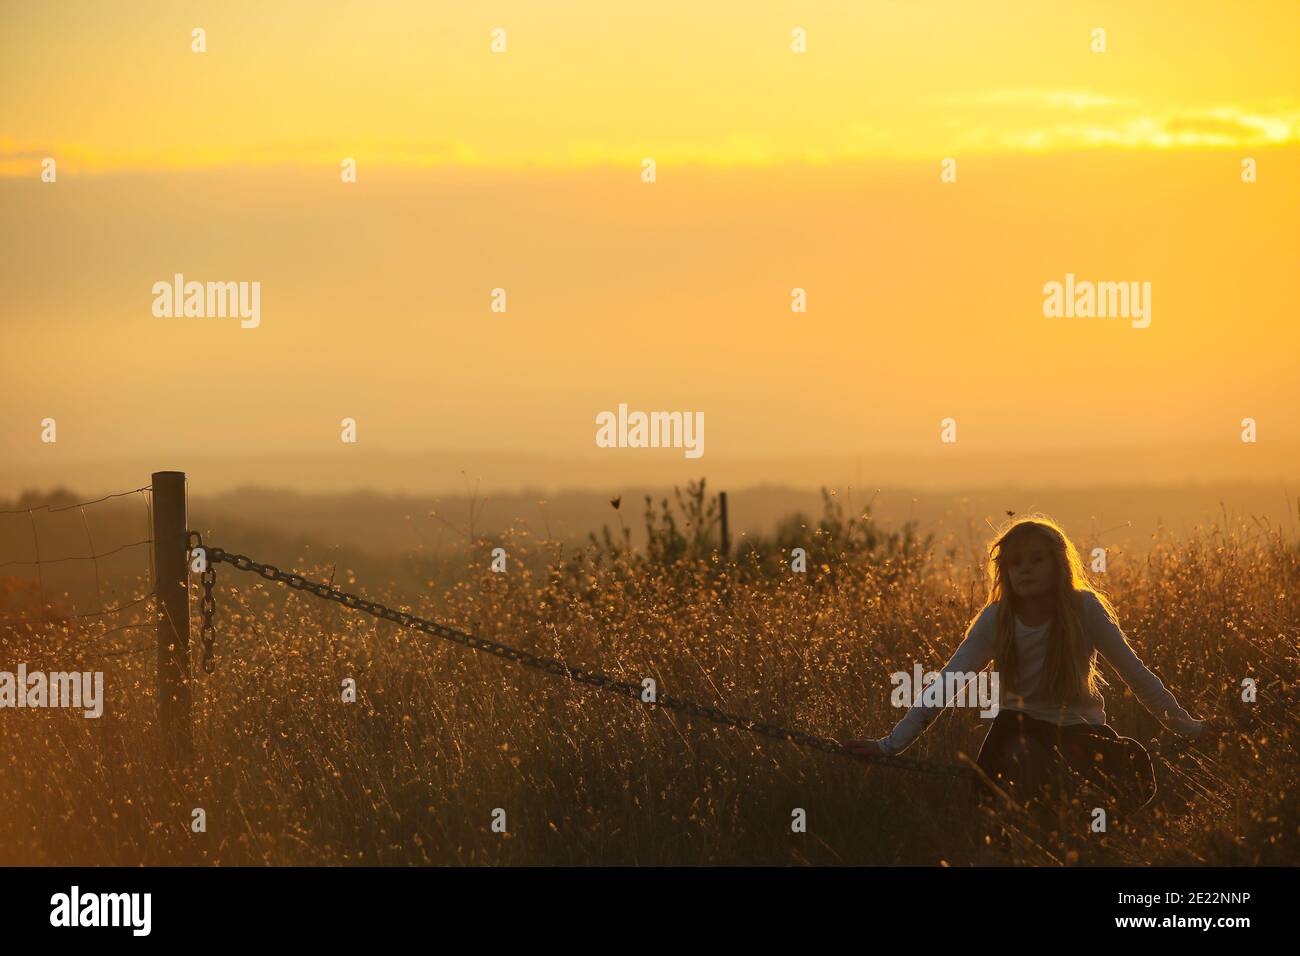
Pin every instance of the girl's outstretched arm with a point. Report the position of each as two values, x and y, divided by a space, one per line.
971 657
1148 688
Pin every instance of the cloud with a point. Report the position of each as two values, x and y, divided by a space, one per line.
1235 126
1050 119
1220 127
1073 119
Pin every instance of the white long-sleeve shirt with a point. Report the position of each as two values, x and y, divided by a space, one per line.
1100 635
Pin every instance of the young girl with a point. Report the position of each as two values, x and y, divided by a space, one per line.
1042 627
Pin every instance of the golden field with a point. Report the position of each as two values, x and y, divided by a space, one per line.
440 737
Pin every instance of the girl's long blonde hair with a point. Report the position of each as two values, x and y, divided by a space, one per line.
1069 673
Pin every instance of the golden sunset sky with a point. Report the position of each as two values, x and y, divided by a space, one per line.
521 170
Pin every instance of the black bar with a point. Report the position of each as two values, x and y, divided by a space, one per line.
658 906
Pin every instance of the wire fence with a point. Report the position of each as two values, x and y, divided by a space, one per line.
47 615
629 690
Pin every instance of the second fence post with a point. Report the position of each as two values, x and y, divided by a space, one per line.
171 584
726 527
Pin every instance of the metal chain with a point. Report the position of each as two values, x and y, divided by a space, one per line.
209 630
208 604
552 665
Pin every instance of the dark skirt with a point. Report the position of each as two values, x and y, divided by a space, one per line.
1031 758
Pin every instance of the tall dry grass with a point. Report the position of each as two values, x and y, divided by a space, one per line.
410 774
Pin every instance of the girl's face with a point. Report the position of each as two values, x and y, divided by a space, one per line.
1030 566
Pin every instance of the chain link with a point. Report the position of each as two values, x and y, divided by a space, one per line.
207 604
550 665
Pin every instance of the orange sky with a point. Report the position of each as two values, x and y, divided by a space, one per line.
521 170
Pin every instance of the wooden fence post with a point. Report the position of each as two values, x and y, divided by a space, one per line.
726 530
171 584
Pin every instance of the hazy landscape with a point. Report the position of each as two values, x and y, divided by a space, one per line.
442 737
